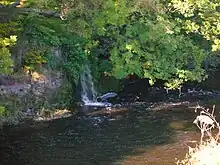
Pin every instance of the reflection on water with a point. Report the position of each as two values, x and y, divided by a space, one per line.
139 137
166 154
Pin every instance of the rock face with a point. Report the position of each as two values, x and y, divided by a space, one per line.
18 89
26 94
6 80
38 84
41 83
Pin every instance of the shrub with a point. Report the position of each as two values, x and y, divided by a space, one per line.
3 111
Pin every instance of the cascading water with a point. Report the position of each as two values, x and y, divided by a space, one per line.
88 93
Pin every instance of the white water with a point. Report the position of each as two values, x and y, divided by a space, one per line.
88 93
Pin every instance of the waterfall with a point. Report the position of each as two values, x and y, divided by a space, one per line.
88 92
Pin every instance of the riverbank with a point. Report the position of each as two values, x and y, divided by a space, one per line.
39 96
31 118
156 100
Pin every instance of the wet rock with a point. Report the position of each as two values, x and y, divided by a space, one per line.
117 106
98 119
106 96
62 113
29 112
164 106
45 115
110 111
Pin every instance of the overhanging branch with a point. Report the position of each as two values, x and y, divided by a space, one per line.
46 13
13 5
18 4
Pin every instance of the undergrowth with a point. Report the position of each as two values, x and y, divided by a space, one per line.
207 152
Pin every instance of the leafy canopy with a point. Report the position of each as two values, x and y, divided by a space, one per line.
147 44
200 17
157 39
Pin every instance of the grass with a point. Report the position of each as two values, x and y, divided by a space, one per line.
207 152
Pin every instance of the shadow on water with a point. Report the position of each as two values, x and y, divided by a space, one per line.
93 141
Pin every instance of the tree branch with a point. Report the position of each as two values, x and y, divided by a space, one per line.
17 4
13 5
46 13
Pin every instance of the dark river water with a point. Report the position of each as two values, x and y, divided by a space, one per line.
138 137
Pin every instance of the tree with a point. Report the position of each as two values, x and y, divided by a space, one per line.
198 17
146 43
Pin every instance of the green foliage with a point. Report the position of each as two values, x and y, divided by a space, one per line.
45 34
212 62
6 2
42 31
9 28
148 45
6 62
8 41
33 59
199 17
74 57
3 111
63 97
157 40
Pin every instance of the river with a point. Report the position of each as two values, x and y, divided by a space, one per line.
141 136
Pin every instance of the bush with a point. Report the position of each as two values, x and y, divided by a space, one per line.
3 111
208 151
6 62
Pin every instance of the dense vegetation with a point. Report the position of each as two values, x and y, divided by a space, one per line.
173 40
